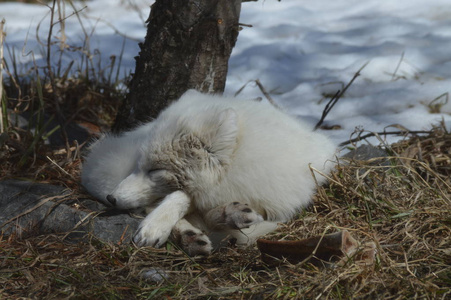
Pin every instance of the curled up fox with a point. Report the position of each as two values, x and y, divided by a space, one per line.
209 168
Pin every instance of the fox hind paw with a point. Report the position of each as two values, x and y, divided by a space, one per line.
239 216
195 242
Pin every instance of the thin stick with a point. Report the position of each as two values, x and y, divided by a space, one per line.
337 97
397 67
262 88
79 223
371 134
328 108
317 184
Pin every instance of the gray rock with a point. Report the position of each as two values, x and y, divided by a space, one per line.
368 152
33 208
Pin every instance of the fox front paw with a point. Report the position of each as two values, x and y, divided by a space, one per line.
239 216
151 234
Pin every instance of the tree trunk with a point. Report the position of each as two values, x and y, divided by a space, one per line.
187 46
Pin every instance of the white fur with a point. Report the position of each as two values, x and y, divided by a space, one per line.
157 226
217 151
110 160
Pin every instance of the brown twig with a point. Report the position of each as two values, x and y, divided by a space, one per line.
337 97
371 134
397 66
262 89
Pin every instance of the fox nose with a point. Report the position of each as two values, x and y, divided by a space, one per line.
111 199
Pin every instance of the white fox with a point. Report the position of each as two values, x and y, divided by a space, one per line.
206 165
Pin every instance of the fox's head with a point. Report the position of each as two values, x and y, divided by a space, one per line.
182 154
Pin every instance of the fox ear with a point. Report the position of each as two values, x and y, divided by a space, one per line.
223 138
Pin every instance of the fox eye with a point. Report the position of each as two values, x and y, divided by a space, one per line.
154 171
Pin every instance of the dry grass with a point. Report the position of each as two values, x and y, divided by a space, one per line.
52 95
401 203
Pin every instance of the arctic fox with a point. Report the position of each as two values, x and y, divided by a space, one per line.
209 164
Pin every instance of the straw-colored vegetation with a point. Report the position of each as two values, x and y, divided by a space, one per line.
401 203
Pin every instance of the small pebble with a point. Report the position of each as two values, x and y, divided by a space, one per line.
155 275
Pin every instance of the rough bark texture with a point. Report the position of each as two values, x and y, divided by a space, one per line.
187 46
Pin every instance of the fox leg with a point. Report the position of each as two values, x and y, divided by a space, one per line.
192 240
222 222
238 221
234 215
156 227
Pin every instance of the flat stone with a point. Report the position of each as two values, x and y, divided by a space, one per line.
33 208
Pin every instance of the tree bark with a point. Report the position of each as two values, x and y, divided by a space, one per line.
187 46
